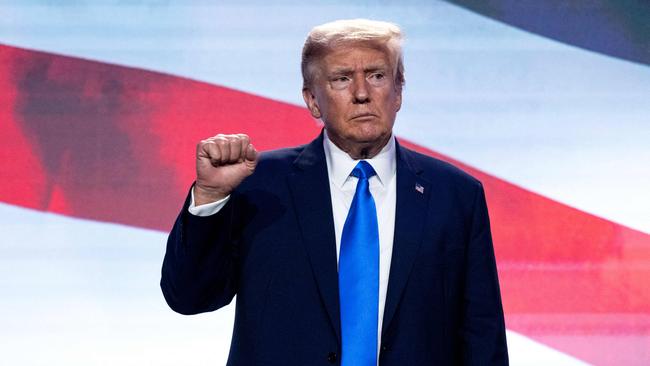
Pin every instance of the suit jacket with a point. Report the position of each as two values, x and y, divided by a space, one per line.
273 246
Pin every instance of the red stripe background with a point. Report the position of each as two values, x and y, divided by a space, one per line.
116 144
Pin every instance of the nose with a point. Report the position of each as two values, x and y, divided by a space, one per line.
360 90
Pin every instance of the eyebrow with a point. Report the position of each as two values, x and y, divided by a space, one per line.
349 70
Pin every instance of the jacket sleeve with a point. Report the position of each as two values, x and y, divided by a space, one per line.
199 271
483 328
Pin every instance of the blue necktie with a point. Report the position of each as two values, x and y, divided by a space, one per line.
359 275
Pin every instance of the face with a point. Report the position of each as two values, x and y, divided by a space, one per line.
354 93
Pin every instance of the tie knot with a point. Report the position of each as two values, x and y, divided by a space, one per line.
363 170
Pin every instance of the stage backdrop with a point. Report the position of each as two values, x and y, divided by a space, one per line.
102 103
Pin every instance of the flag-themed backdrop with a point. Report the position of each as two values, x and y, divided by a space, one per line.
102 103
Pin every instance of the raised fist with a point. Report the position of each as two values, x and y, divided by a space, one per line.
222 163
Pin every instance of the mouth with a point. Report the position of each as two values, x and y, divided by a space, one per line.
364 116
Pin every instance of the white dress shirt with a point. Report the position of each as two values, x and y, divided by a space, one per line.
342 188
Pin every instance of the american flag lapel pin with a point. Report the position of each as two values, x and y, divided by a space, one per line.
419 188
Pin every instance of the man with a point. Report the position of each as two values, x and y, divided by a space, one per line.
350 250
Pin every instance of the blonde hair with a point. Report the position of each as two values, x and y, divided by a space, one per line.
325 37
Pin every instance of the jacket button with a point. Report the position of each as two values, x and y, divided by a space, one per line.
332 357
384 348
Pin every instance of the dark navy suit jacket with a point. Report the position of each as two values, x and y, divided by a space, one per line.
273 246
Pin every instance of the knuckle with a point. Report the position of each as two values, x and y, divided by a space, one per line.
203 146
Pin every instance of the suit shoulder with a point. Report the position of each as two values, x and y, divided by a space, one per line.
278 160
437 170
273 165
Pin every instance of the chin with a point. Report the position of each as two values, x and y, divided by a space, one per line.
371 136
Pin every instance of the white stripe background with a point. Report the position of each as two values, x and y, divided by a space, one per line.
570 124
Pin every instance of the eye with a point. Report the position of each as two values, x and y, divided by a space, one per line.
377 78
340 82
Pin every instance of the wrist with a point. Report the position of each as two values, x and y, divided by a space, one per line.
203 195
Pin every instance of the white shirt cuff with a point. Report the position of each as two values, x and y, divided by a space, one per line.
207 209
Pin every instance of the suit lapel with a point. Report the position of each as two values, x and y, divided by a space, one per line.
412 197
309 185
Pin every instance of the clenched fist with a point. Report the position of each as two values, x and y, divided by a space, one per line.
222 163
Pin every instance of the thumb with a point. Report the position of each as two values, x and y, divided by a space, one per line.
251 153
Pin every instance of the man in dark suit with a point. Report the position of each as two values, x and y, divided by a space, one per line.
350 250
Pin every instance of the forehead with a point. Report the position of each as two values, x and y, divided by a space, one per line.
357 55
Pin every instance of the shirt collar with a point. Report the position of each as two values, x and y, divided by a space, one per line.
340 164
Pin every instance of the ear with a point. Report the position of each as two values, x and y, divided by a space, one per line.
310 101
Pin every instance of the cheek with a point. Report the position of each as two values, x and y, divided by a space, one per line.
395 101
335 106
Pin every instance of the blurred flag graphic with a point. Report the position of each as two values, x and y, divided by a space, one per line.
102 103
